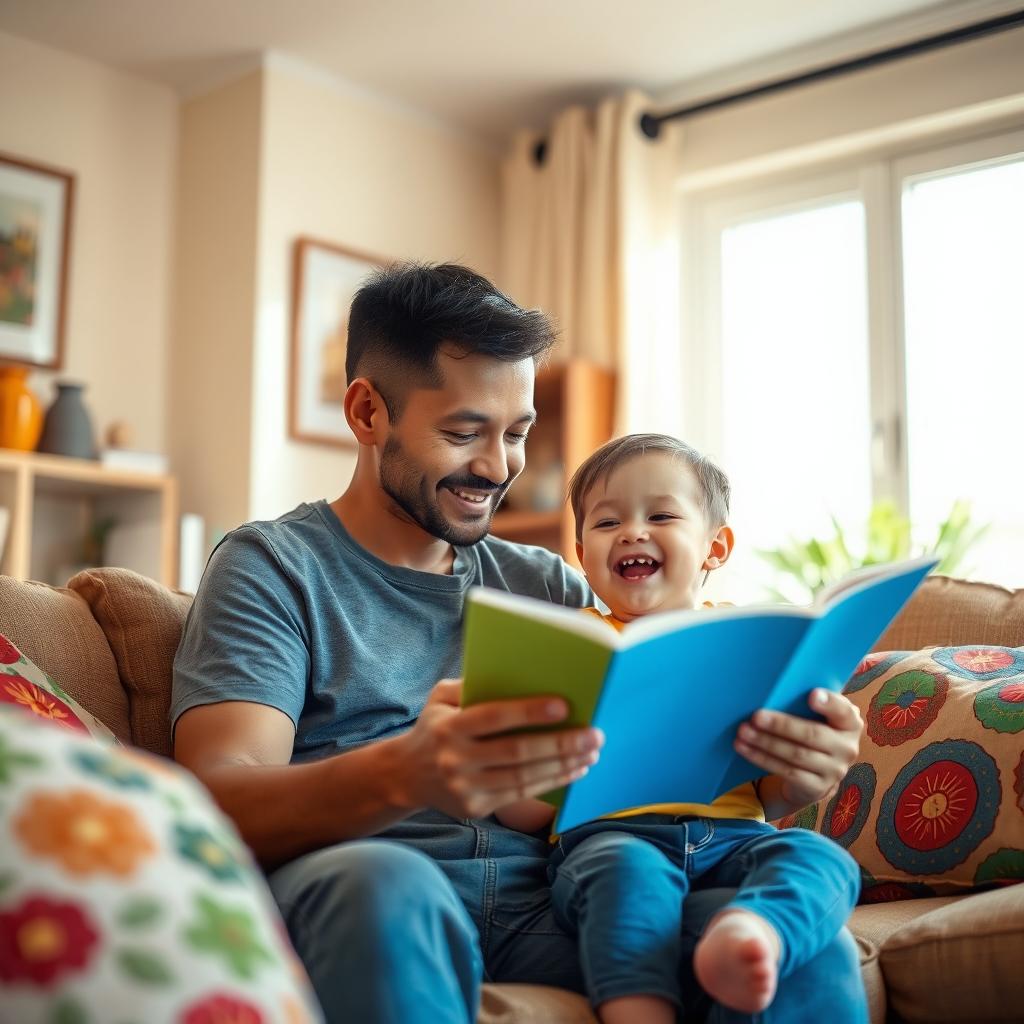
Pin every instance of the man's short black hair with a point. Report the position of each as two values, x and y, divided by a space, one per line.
405 312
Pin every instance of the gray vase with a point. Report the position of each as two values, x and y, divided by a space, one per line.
67 428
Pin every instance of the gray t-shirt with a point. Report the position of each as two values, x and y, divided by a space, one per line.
295 614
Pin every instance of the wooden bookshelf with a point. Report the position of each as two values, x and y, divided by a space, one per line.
575 405
53 500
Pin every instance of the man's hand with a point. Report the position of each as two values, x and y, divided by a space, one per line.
807 758
454 760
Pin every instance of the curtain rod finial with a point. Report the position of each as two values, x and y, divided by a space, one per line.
650 125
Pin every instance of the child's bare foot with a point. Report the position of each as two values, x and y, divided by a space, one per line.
737 960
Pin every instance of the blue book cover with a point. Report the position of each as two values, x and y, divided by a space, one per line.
670 691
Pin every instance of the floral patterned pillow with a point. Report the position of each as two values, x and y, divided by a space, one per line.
26 686
935 804
125 895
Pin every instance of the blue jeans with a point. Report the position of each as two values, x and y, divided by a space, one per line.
406 926
620 886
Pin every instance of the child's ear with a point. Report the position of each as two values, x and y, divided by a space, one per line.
720 549
579 556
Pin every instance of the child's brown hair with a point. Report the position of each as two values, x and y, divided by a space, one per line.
714 484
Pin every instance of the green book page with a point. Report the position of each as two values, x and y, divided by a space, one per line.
508 655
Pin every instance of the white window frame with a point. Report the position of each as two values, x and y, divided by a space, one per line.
878 180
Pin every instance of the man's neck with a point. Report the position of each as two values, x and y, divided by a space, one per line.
385 530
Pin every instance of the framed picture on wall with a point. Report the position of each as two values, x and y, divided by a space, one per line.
325 277
35 233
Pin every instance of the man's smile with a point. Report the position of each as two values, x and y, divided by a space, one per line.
470 499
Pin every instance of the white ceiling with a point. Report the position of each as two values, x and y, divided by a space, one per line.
487 66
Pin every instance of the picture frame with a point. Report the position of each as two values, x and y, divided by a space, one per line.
36 208
325 277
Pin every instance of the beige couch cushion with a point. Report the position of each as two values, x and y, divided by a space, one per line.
532 1004
142 621
875 922
540 1004
56 630
953 613
961 962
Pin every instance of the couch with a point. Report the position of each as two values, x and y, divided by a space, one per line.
109 639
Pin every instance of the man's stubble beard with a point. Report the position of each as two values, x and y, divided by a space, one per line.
402 481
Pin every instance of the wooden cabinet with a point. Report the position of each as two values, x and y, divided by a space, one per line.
575 403
53 502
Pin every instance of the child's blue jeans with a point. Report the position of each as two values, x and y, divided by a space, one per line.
619 886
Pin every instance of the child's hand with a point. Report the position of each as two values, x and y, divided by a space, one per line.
807 758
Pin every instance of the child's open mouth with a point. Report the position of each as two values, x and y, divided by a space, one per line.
637 567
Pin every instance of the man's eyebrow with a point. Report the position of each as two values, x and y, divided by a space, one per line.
473 416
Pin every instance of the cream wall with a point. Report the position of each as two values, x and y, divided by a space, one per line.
341 165
981 79
185 217
118 136
215 299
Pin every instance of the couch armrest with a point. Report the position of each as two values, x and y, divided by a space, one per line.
960 962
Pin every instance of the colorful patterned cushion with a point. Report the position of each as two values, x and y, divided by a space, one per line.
125 895
935 804
25 686
55 628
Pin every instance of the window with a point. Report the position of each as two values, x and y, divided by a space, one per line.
860 336
963 274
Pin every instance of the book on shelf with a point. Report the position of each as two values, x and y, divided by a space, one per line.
133 461
670 690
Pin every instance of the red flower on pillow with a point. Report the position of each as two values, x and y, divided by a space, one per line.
9 654
43 939
983 659
15 689
221 1010
1013 693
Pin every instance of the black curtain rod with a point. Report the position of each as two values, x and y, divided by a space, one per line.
650 124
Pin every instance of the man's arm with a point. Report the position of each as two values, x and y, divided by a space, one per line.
454 759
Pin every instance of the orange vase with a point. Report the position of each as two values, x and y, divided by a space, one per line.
21 415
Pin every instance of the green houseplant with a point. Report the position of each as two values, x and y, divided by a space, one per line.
807 566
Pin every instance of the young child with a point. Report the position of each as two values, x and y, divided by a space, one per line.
650 526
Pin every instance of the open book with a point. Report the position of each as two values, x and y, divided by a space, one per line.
671 690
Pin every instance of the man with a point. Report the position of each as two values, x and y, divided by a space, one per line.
306 691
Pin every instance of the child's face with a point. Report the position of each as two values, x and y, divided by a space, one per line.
648 508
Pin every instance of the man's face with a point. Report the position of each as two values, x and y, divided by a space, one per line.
455 450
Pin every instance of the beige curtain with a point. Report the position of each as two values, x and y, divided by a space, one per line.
590 236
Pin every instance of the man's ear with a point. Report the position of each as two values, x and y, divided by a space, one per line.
720 550
366 412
